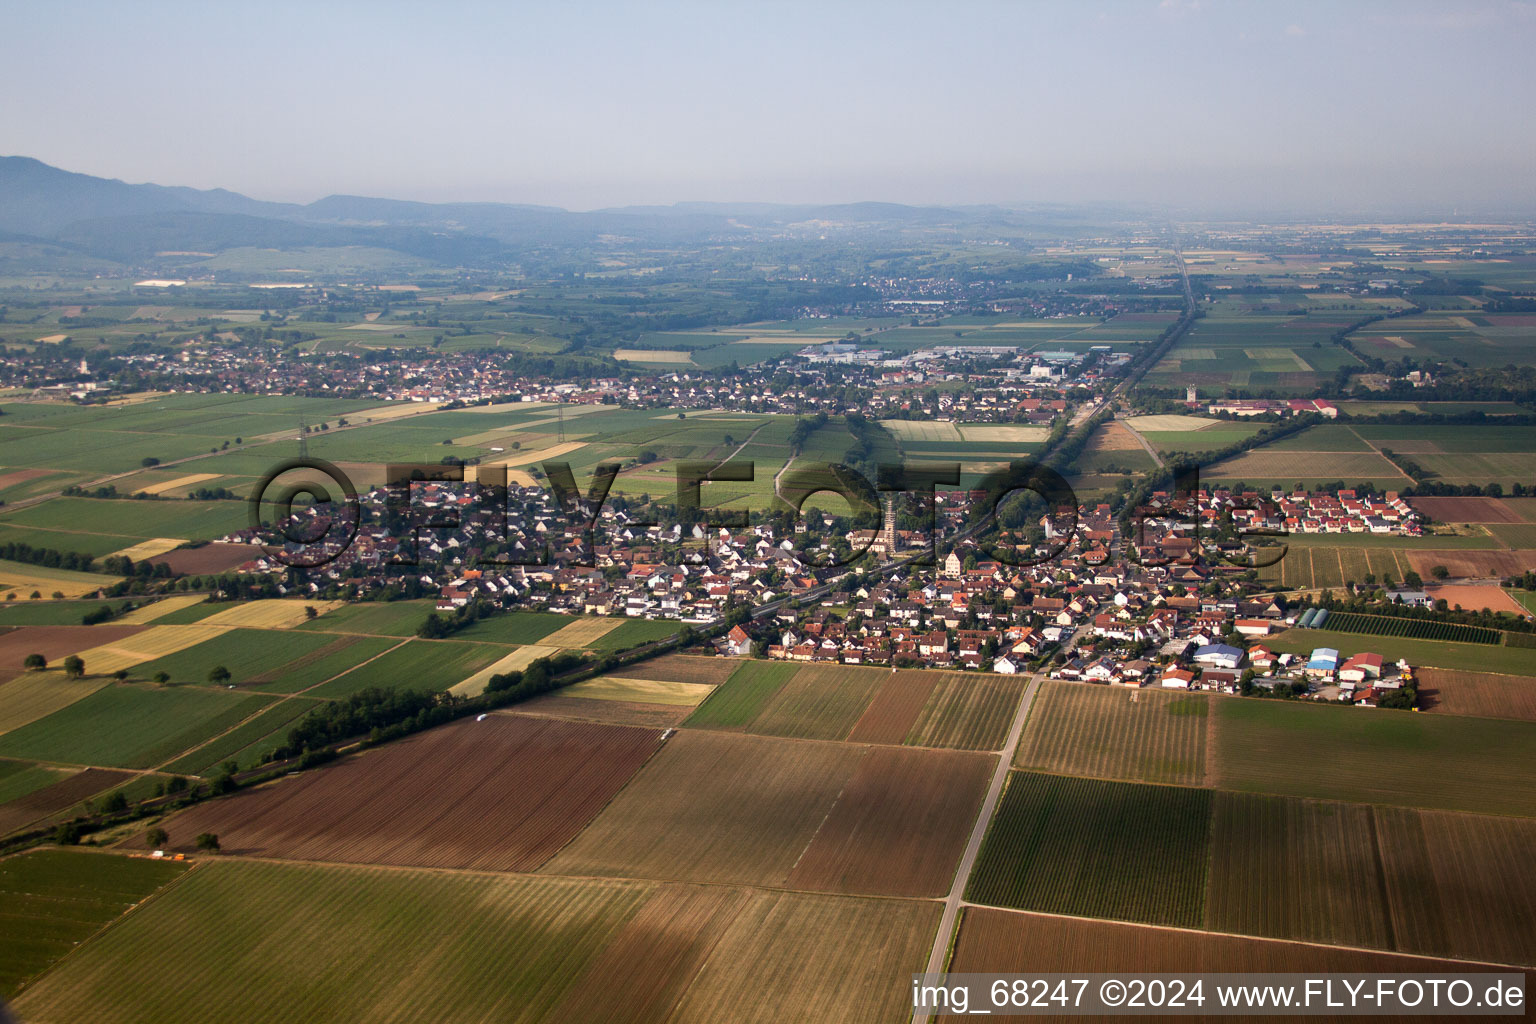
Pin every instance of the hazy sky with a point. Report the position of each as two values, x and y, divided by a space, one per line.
1187 102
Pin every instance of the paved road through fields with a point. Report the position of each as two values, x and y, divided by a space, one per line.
956 898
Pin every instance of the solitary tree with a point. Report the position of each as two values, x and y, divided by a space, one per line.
310 611
1439 572
208 842
218 674
74 667
156 838
162 678
35 661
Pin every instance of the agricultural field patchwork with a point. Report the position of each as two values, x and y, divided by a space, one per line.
1114 733
738 701
535 782
715 807
415 665
1388 757
1296 869
968 711
131 725
56 899
898 826
40 804
1068 846
565 949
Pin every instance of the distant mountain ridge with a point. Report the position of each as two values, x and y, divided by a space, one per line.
112 219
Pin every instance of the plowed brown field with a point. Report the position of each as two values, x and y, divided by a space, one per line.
895 708
1474 563
1465 510
898 826
682 668
607 712
213 557
54 642
60 796
499 795
1482 694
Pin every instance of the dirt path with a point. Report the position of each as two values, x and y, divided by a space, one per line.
1378 451
956 898
1143 441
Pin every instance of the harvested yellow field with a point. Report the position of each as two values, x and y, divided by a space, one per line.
652 355
1169 423
582 632
23 579
148 548
529 458
151 612
1397 340
180 481
515 477
35 695
392 411
274 613
53 338
154 642
921 430
1006 432
644 691
514 662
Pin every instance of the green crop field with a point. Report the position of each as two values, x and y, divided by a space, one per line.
385 618
247 743
338 655
1113 733
56 899
634 632
738 701
50 613
1376 756
131 725
819 702
1387 625
515 627
1096 849
251 655
94 544
418 665
18 778
189 520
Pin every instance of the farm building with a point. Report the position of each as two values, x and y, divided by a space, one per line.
1323 663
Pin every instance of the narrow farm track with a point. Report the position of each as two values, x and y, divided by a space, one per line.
953 902
1143 442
